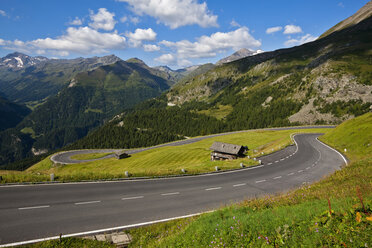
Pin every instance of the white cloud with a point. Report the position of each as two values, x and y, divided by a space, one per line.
233 23
76 22
175 13
140 35
123 19
304 39
3 13
2 42
151 48
102 20
210 46
135 20
81 40
273 29
292 29
340 4
167 59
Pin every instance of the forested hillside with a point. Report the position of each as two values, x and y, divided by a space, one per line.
11 113
90 99
322 82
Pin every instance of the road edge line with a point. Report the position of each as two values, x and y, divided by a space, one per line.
339 153
103 230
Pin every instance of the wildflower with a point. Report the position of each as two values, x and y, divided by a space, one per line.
266 238
358 217
259 237
369 218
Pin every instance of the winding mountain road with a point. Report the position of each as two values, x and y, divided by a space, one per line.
65 157
32 212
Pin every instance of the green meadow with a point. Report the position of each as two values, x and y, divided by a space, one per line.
194 158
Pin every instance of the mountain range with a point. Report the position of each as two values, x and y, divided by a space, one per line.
111 103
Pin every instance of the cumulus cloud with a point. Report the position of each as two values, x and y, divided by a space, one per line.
210 46
151 48
2 42
102 20
175 13
292 29
167 59
140 35
273 29
82 40
76 22
304 39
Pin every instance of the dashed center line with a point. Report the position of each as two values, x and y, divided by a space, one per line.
35 207
213 188
290 174
88 202
132 198
276 161
300 171
172 193
277 177
307 168
239 185
261 181
269 163
281 159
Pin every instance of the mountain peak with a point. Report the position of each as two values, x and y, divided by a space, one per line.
241 53
17 61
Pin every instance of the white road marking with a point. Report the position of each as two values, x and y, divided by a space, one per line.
172 193
240 184
132 198
261 181
277 177
269 163
213 188
342 156
307 168
276 161
89 202
102 230
290 174
26 208
281 159
300 171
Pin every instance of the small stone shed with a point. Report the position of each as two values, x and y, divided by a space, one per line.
120 155
226 151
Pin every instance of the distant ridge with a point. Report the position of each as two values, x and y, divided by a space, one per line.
242 53
362 14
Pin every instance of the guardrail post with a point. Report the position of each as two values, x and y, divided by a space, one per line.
183 170
126 173
259 161
241 165
52 177
216 168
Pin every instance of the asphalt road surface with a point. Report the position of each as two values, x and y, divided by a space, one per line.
65 157
39 211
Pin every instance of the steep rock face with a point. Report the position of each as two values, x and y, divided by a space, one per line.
333 71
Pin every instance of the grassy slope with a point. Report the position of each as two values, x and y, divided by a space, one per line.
297 218
195 158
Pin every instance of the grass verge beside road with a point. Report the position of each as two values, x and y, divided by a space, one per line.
194 158
335 212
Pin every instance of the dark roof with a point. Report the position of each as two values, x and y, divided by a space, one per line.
225 148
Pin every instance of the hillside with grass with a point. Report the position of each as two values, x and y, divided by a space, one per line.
335 212
193 158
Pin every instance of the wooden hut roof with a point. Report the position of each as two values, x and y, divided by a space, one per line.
226 148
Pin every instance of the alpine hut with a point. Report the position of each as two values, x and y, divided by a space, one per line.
225 151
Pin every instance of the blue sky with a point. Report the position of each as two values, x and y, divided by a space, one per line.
176 33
